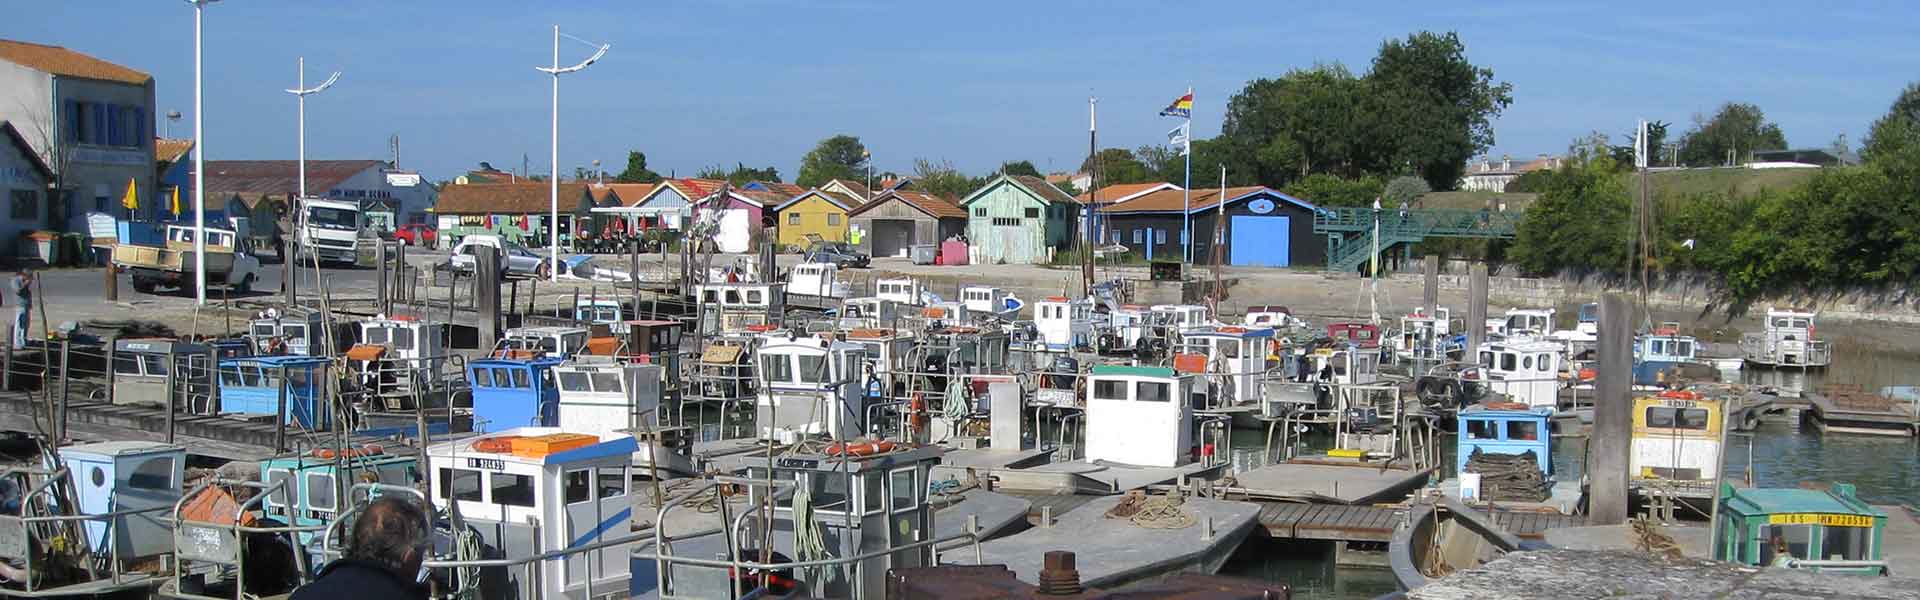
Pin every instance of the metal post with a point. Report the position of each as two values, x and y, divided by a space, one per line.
59 427
486 295
381 302
173 375
280 415
289 274
400 288
199 182
6 362
111 343
1476 311
1611 441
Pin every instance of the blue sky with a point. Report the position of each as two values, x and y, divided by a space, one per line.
760 81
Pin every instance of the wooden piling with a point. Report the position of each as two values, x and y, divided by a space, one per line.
1476 311
1430 295
382 304
486 296
290 273
1611 440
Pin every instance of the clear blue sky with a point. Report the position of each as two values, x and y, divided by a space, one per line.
760 81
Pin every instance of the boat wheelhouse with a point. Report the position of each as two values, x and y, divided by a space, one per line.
869 313
1589 319
813 387
288 388
1183 317
1365 336
1063 324
818 279
906 291
1346 365
542 342
125 476
90 524
305 490
302 332
888 351
1230 362
1525 370
1496 429
1274 316
1536 322
988 300
162 372
1829 530
1131 325
604 397
400 359
1140 416
599 311
734 306
1427 337
1786 339
1679 439
1659 355
509 393
545 489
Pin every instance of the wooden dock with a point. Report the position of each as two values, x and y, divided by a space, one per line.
1335 522
1846 408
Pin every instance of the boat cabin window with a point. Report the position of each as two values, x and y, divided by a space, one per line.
298 332
1682 348
319 494
710 296
903 489
733 297
607 381
1486 359
126 364
154 474
512 490
830 490
1523 430
1798 537
520 379
1677 418
578 486
155 364
813 369
278 499
263 329
573 381
1544 363
461 483
1109 389
1227 347
1481 430
378 335
1506 361
756 297
1340 366
1526 362
482 378
1149 391
1845 543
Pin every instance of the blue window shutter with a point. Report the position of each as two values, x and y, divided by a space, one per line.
100 123
113 124
70 115
140 136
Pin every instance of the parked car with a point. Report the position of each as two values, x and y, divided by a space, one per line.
841 254
416 234
517 261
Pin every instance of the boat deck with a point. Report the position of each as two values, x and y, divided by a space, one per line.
1326 481
1111 552
995 512
1083 477
1339 523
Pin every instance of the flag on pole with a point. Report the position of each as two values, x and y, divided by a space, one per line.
176 201
1180 108
132 199
1178 137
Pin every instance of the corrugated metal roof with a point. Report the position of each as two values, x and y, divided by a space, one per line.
167 151
505 198
253 177
934 206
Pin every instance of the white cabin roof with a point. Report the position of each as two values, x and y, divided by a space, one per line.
610 444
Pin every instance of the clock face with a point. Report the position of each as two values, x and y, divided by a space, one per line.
1260 206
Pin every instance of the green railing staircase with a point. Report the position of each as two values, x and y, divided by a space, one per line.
1349 231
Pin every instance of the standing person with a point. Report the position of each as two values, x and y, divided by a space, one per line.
22 306
382 559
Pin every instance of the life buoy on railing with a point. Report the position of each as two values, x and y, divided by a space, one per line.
1680 395
495 445
860 448
917 412
360 452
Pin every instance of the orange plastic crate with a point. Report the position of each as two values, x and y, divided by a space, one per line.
542 445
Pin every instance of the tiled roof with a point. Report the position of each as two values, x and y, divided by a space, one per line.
857 188
26 149
1045 190
504 198
253 177
67 63
1172 200
1120 192
762 198
169 151
694 189
785 189
927 203
844 201
630 193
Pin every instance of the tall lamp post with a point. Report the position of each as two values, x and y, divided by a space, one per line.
199 166
301 92
553 176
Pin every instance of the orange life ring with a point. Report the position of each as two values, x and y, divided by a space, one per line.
857 449
1680 395
361 452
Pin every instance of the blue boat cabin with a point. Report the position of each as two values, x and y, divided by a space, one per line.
509 393
256 385
314 483
1827 530
1511 431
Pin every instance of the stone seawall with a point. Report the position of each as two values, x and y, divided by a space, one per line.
1691 294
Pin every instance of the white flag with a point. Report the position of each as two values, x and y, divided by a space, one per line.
1178 138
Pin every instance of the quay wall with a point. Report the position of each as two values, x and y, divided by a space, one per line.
1699 294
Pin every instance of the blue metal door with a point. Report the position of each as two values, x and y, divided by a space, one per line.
1261 241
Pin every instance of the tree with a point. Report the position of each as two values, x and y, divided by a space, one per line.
1303 122
1427 109
837 157
1328 190
1403 190
942 179
1019 167
1896 132
1580 222
740 175
1732 135
637 171
1117 166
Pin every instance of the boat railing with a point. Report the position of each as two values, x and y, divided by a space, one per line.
21 534
222 543
662 544
1871 566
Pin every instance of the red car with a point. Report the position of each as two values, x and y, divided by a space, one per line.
415 234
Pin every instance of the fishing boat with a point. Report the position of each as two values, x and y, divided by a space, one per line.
513 392
1443 535
600 396
735 306
1428 337
1664 356
1533 322
1830 530
301 332
401 362
546 341
1678 447
1523 370
988 300
89 519
1232 367
1786 339
820 280
905 291
1063 325
1504 453
1381 448
161 372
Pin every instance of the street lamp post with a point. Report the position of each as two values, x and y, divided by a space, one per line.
553 176
301 91
199 165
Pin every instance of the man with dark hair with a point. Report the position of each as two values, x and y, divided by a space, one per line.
383 556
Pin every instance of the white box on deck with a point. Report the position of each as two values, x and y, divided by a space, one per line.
1141 418
124 476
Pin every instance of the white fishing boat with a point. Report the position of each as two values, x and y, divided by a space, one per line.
1786 339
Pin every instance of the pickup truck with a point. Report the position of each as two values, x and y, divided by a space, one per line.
515 260
172 264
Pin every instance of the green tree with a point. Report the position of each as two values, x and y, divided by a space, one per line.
942 179
1020 167
637 171
1163 162
1303 122
1580 222
741 174
1117 166
1737 130
1403 190
1427 109
1897 132
1330 190
837 157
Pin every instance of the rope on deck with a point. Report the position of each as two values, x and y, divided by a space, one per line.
1152 512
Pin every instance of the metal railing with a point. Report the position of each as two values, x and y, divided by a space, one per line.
21 534
229 544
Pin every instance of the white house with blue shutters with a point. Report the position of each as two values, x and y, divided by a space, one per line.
90 120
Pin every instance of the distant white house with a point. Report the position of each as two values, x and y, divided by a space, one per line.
1489 175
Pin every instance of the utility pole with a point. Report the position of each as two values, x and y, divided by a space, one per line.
199 168
1093 197
553 167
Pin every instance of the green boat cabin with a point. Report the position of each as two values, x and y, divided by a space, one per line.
1824 530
